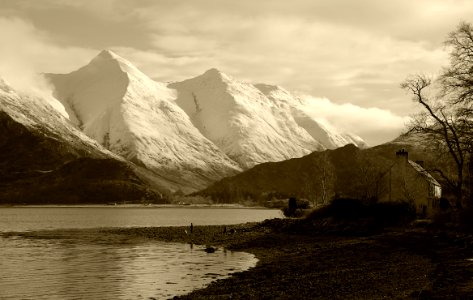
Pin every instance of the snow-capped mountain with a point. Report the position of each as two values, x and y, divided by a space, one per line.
191 132
241 120
131 115
329 136
253 124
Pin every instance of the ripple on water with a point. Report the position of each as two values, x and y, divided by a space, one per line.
58 269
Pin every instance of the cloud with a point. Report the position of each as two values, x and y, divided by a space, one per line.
309 46
342 50
26 52
347 51
374 125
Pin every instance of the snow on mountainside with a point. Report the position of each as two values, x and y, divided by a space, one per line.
241 120
254 123
191 132
45 115
46 159
326 134
130 114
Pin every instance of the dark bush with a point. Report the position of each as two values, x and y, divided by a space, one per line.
382 213
303 204
341 208
391 213
295 207
345 208
466 219
444 204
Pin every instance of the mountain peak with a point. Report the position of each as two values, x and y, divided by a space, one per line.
216 74
108 60
108 54
213 71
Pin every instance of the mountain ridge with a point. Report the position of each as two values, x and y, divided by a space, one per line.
136 117
180 136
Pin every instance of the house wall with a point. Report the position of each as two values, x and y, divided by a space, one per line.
404 183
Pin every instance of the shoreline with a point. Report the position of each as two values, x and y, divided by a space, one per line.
226 206
405 262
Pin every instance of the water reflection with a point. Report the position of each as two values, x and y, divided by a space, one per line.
75 268
38 218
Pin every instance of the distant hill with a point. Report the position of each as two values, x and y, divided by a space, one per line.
344 172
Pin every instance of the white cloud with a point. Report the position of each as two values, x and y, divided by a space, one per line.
346 51
343 50
26 52
320 56
374 125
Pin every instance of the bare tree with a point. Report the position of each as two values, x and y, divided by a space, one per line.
318 183
326 176
439 122
457 83
371 171
447 118
457 79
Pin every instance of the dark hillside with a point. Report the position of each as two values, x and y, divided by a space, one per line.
38 166
320 176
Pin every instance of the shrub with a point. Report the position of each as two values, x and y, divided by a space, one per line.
296 207
444 204
392 213
382 213
346 208
466 219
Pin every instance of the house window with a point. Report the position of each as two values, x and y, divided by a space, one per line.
437 191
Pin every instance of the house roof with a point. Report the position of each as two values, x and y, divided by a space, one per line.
423 172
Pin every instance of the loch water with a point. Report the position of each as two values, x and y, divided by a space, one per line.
74 267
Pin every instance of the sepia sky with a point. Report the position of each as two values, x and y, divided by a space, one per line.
350 56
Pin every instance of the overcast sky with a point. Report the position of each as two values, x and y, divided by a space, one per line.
349 56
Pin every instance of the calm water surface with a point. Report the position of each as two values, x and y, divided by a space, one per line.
39 218
105 268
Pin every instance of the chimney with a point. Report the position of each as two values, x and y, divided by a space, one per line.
401 159
402 154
